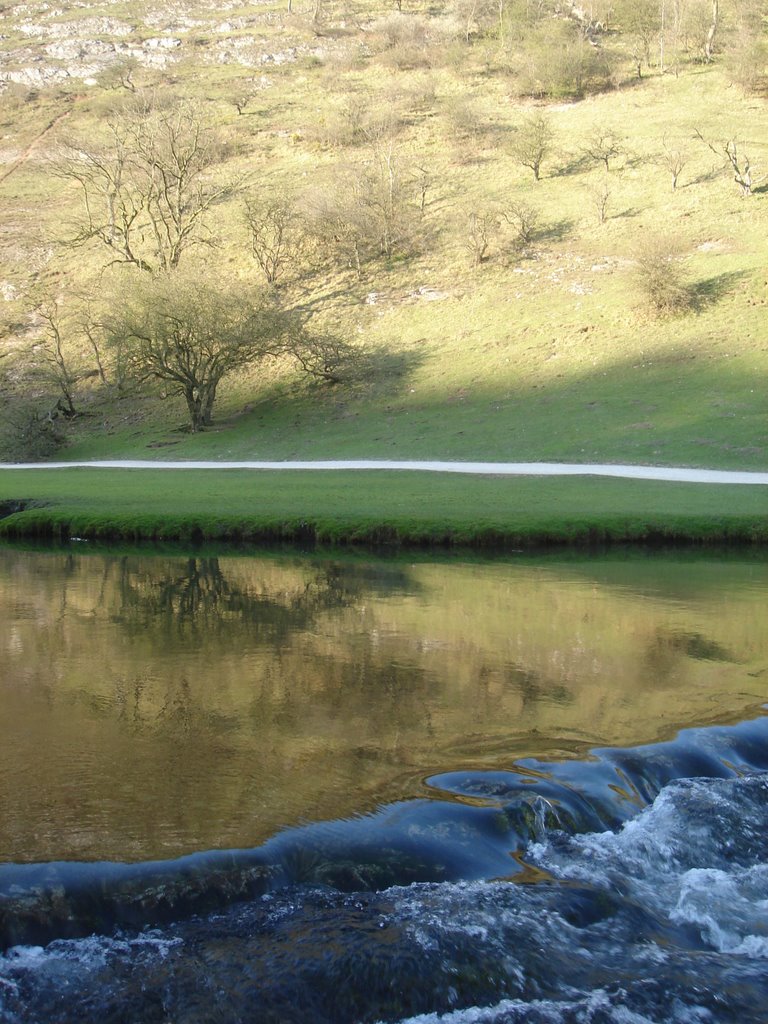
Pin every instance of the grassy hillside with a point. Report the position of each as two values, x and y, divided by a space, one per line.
542 350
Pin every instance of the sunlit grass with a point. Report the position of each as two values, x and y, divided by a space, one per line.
369 506
549 354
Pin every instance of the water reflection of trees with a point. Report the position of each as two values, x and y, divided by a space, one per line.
201 701
670 650
198 597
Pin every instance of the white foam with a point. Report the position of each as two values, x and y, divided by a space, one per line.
597 1005
728 909
488 1014
672 863
92 951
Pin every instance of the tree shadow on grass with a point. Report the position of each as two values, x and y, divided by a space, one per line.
632 161
368 370
556 231
704 177
630 211
711 290
575 163
337 295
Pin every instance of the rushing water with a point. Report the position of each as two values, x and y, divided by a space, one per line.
297 788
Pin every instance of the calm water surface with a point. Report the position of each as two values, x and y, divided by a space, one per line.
155 707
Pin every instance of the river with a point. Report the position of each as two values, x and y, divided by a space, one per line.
281 786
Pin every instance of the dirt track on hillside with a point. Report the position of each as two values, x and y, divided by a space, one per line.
669 473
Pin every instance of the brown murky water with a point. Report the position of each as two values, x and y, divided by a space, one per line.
153 705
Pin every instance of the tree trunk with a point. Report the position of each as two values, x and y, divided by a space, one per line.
194 408
200 399
209 397
712 30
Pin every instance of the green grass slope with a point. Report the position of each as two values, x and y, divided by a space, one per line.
374 507
552 359
547 351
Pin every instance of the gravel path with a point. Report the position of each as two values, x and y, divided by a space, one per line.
678 474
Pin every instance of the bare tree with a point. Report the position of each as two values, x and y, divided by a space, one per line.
147 191
423 180
641 23
712 30
600 195
371 210
242 98
324 357
523 219
602 145
190 333
479 226
120 75
673 159
92 330
532 142
383 193
740 165
277 234
739 161
54 359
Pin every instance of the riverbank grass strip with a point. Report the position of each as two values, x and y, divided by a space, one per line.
374 507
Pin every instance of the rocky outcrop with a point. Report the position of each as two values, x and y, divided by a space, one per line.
83 48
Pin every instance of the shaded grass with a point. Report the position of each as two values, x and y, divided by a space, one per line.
375 507
679 406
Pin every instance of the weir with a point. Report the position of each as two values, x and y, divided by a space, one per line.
284 787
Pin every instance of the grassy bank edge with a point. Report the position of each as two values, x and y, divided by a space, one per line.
375 508
61 525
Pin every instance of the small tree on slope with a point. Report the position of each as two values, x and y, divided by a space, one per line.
190 334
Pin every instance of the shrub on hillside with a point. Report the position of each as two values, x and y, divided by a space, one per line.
355 120
521 222
464 125
556 61
404 41
480 227
369 210
29 432
747 59
660 276
408 94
